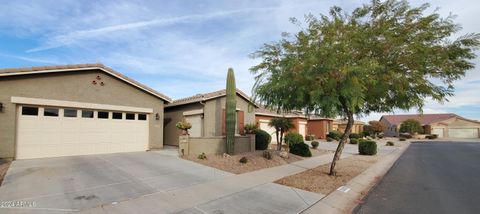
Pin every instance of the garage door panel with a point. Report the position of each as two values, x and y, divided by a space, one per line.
463 132
39 136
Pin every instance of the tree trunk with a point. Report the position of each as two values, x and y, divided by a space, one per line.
342 142
281 141
278 139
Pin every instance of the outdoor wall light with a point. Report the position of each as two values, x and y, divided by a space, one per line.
157 116
1 107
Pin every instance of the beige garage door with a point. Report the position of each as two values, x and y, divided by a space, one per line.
438 132
463 133
196 121
302 128
53 132
265 127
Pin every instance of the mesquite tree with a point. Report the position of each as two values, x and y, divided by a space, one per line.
383 56
230 111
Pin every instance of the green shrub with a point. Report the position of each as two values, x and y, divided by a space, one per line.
380 135
390 143
300 149
243 160
329 139
250 128
405 135
366 133
314 144
335 135
354 141
433 136
355 136
411 126
367 147
310 137
402 139
202 156
293 138
262 139
267 155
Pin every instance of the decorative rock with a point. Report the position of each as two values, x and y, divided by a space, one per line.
284 154
225 155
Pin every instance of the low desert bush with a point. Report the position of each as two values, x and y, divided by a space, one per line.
433 136
335 135
243 160
355 136
314 144
390 143
267 155
354 141
405 135
262 139
301 149
293 138
202 156
310 137
367 147
402 139
329 139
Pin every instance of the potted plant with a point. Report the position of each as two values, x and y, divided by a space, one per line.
250 128
184 126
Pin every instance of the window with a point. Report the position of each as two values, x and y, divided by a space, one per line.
117 115
142 117
87 114
70 112
50 112
103 114
130 116
29 110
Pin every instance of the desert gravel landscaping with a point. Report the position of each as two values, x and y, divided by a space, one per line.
4 165
317 179
255 161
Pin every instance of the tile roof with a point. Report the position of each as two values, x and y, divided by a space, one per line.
342 121
207 96
80 67
270 112
424 119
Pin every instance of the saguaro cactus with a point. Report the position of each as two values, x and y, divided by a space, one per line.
230 111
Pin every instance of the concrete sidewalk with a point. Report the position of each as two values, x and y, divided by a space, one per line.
242 193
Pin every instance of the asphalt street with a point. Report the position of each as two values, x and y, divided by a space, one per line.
433 177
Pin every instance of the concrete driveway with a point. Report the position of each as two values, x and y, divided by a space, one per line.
79 182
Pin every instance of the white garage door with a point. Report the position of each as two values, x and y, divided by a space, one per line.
265 127
302 128
53 132
463 133
438 132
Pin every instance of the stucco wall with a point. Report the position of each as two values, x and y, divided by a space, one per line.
213 114
73 86
319 128
216 145
172 116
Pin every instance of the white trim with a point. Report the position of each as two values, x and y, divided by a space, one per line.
72 104
262 120
193 112
86 68
302 122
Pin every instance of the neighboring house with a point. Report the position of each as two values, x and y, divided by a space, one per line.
76 110
206 113
444 125
341 125
319 126
263 117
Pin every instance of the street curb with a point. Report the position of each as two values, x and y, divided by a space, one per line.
357 188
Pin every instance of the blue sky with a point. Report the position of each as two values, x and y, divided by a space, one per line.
182 48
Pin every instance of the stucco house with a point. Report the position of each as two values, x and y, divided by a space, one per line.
53 111
319 126
444 125
341 125
206 113
264 115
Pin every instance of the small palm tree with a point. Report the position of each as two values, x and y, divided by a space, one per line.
281 125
